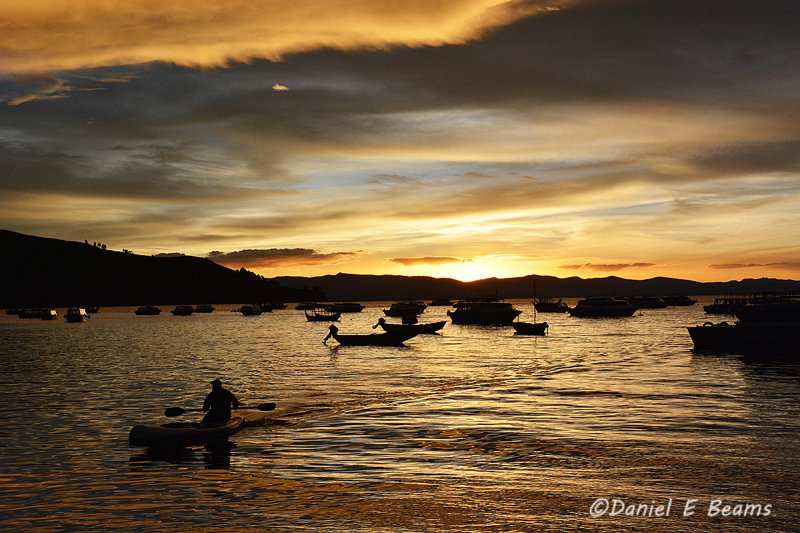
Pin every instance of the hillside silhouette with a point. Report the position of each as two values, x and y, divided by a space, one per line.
38 271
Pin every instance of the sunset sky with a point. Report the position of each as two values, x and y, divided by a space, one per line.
452 138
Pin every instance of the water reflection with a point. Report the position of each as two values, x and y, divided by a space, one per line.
475 428
216 455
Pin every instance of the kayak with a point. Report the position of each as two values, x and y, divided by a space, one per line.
183 434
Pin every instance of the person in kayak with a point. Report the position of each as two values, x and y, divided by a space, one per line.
218 404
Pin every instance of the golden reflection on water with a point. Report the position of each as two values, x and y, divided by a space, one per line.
473 429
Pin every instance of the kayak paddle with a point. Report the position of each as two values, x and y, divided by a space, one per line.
177 411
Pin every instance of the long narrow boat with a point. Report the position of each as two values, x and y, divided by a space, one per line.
420 329
183 434
318 314
395 338
379 339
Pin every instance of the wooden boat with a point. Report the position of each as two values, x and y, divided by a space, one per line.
148 310
487 311
548 305
530 328
182 310
93 309
441 302
602 308
319 314
395 338
204 308
420 329
183 434
76 314
306 306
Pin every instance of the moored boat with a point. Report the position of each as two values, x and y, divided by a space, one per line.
530 328
182 310
419 329
183 434
148 310
49 314
319 314
678 300
395 338
486 311
345 307
602 308
204 308
441 302
250 310
76 314
762 328
406 308
646 302
547 304
726 305
31 312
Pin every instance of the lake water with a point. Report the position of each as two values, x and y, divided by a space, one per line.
473 429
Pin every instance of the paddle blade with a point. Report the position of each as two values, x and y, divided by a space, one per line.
174 411
266 406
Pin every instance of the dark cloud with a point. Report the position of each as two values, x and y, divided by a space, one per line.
278 257
413 261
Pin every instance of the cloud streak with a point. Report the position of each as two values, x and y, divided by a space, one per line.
608 267
278 257
414 261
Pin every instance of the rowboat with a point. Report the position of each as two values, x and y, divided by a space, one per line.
530 328
183 434
395 338
420 329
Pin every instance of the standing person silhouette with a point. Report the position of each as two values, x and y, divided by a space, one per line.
218 404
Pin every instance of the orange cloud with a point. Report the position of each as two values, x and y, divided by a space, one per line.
49 35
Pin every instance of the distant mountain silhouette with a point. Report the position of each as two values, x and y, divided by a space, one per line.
387 287
38 271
